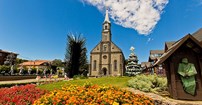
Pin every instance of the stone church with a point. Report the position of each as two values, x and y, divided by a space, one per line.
106 58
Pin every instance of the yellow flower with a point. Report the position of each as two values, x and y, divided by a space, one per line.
115 103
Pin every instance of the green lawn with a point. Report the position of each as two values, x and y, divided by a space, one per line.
114 81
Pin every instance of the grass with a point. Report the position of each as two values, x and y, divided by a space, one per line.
114 81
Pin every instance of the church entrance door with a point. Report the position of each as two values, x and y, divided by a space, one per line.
104 71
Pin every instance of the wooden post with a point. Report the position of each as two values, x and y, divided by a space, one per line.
200 67
173 80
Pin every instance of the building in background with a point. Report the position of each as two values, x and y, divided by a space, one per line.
153 57
146 67
106 58
5 54
37 64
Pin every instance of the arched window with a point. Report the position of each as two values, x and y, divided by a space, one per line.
115 65
104 47
105 27
94 65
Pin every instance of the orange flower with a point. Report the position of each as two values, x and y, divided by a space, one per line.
93 95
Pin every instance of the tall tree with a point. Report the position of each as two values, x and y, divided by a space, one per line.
19 61
75 56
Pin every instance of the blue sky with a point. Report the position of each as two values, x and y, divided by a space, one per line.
37 29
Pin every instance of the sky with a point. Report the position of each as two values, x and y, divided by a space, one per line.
38 29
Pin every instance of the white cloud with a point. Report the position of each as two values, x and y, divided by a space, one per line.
141 15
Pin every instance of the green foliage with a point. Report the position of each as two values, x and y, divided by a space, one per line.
33 71
57 63
40 71
75 56
4 68
148 83
8 68
79 77
19 60
114 81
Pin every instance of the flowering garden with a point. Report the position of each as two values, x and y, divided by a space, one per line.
92 95
75 92
20 95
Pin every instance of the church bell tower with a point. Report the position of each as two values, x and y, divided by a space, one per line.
106 28
106 57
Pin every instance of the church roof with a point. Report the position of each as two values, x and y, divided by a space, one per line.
198 35
156 51
106 17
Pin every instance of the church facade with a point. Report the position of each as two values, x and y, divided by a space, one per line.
106 58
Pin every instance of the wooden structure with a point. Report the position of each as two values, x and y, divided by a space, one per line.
4 54
146 67
187 47
153 57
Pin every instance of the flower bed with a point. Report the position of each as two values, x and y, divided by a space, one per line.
93 95
20 95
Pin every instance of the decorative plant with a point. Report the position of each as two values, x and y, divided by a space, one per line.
148 83
20 95
93 95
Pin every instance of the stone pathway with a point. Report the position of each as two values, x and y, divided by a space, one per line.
159 100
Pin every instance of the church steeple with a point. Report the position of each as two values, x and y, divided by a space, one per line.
106 31
106 16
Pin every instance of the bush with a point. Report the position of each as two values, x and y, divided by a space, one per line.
92 95
5 68
79 77
148 83
33 71
20 95
40 71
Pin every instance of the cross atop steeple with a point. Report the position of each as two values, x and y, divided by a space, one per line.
107 16
106 30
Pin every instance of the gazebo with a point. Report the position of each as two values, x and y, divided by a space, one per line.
184 82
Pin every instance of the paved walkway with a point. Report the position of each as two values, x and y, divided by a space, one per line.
165 100
27 81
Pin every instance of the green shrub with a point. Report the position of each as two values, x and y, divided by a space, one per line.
4 68
148 83
79 77
33 71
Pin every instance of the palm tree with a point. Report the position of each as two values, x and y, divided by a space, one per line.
75 56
